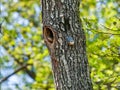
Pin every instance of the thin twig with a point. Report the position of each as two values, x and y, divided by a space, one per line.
107 33
108 28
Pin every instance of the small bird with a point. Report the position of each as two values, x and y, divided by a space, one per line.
70 40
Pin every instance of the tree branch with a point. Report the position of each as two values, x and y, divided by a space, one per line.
30 73
106 33
17 70
108 28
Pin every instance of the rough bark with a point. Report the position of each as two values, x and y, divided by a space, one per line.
66 42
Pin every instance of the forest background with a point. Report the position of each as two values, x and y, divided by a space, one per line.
25 61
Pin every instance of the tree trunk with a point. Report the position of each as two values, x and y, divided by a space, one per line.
66 42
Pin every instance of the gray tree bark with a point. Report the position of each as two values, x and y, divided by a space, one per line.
65 39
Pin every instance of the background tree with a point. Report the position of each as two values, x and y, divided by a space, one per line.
101 22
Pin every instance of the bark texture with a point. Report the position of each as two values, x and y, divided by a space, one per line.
66 42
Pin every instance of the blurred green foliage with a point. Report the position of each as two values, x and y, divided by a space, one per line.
101 22
22 41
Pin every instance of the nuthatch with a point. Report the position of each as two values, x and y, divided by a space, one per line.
70 40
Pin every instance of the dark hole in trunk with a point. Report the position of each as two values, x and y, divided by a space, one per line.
49 35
